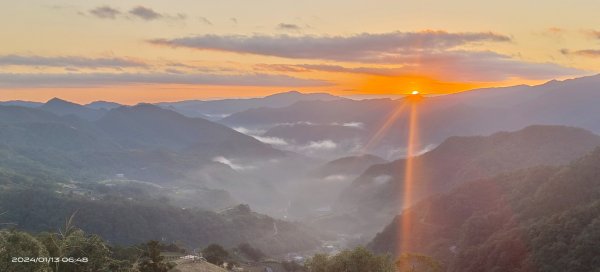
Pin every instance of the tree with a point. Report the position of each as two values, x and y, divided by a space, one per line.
253 253
151 260
357 260
83 252
20 244
292 266
318 263
408 262
215 254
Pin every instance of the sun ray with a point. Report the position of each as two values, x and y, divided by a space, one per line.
409 180
389 121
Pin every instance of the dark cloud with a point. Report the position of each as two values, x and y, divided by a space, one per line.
594 34
589 52
205 20
594 53
41 80
68 61
365 47
280 68
105 12
449 65
288 27
141 12
145 13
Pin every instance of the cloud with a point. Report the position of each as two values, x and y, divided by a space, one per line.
280 67
105 12
37 80
334 178
251 132
288 27
205 20
354 124
145 13
439 54
365 47
450 65
256 133
381 179
593 53
319 145
233 166
68 61
595 34
271 140
141 12
555 30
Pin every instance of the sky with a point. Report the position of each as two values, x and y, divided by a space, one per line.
149 51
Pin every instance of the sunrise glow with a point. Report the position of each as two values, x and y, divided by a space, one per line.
175 51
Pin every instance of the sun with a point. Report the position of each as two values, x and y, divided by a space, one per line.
414 92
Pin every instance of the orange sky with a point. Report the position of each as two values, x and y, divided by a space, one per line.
121 51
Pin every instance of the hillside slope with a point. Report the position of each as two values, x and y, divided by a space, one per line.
378 192
537 219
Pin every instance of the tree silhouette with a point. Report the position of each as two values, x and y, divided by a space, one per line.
151 260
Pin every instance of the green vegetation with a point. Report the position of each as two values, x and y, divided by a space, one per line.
292 266
408 262
151 260
215 254
19 244
252 253
357 260
126 222
538 219
458 160
70 250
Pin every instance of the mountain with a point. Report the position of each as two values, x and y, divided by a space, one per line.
143 142
126 222
149 126
63 108
315 112
302 133
352 165
188 157
103 105
536 219
217 109
21 103
17 114
476 112
377 193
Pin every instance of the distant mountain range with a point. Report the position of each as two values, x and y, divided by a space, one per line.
476 112
377 194
218 109
63 108
142 141
298 122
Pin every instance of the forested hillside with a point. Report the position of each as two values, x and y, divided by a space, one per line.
537 219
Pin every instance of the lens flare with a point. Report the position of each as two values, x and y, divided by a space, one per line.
407 219
387 124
